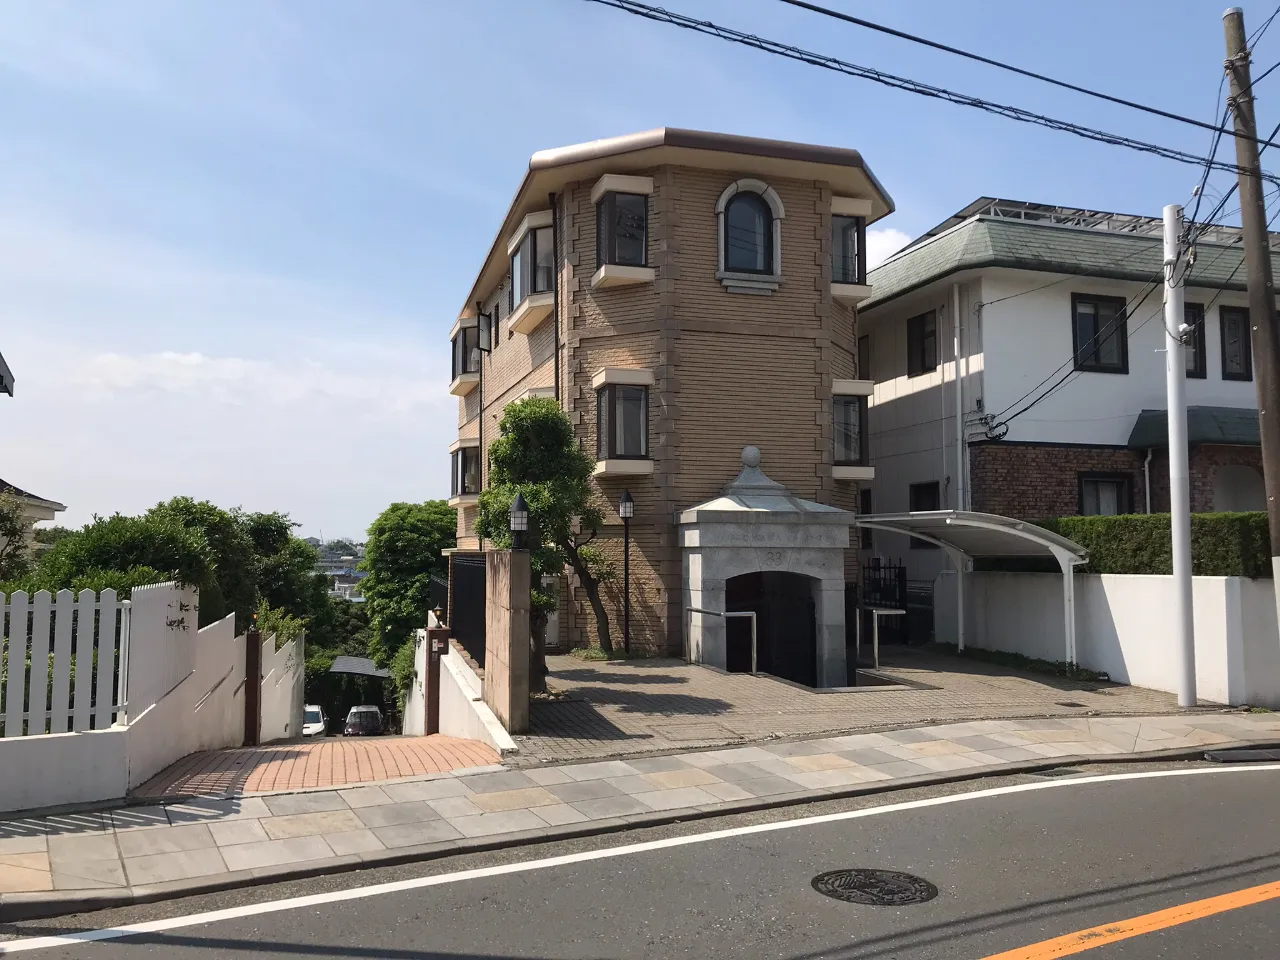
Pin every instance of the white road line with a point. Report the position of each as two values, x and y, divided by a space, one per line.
400 886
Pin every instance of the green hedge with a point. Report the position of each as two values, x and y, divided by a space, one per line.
1222 544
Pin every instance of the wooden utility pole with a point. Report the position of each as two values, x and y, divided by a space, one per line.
1264 337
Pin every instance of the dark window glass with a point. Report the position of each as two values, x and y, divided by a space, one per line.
922 344
532 265
923 496
748 235
544 259
864 357
1099 334
466 351
849 416
1237 351
621 229
848 259
1194 348
864 508
1105 495
622 422
466 471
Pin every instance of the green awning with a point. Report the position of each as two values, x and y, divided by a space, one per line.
1237 426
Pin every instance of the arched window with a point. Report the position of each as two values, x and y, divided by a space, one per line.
749 217
748 235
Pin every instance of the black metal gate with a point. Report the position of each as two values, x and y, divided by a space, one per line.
885 585
919 611
467 615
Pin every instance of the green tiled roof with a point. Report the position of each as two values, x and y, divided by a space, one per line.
1021 245
1233 425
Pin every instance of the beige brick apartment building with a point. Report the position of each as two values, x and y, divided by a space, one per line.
700 290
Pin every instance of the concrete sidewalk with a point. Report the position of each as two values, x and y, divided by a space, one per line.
59 864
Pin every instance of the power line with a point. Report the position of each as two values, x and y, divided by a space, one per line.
1000 64
911 86
1100 335
1257 34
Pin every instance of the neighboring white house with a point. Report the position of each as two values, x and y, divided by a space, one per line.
1062 370
35 509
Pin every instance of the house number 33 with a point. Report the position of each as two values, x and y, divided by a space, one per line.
773 556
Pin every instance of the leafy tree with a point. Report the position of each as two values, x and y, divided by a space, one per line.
403 550
340 548
50 535
285 565
537 455
231 550
285 626
15 557
137 547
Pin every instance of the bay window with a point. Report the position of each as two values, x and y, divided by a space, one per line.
622 222
465 473
622 422
850 415
532 265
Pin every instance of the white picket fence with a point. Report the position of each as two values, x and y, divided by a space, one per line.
64 661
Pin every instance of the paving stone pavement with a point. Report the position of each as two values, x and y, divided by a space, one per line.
239 839
326 762
647 706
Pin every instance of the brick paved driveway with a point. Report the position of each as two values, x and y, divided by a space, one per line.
645 706
328 762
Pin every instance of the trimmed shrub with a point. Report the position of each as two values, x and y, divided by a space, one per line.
1222 544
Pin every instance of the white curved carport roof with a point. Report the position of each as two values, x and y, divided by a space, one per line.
965 535
977 534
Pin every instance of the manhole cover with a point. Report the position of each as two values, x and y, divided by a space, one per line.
876 888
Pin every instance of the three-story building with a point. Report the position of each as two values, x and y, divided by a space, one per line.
683 295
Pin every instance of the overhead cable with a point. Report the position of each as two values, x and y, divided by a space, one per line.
911 86
1000 64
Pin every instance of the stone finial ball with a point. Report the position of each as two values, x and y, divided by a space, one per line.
751 456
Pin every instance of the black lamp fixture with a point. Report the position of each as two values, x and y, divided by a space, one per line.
626 510
519 516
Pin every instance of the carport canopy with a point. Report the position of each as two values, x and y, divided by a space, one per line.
965 535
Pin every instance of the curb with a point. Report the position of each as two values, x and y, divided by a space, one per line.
17 907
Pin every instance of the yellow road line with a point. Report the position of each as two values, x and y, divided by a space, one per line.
1107 933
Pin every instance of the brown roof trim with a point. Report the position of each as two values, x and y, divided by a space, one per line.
546 160
700 140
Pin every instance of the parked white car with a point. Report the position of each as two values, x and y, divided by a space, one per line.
314 722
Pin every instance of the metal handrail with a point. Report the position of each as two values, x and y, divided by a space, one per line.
726 614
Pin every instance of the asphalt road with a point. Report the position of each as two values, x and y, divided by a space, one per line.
1012 869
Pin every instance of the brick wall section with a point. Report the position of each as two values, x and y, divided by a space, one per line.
1032 482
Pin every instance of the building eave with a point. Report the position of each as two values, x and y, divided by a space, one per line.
550 170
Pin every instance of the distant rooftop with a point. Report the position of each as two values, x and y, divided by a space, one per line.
1048 215
1037 237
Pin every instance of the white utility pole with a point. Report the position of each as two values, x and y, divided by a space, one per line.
1175 361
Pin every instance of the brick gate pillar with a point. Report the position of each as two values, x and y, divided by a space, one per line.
506 659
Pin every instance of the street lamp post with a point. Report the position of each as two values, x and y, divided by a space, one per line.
626 509
519 516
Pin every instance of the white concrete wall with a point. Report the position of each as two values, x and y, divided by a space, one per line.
63 768
200 678
1124 627
282 689
463 712
415 702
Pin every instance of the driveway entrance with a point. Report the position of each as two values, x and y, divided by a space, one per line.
650 706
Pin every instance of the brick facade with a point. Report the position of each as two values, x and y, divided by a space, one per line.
729 370
1032 481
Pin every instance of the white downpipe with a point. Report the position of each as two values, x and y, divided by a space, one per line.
957 560
962 486
1146 477
1179 482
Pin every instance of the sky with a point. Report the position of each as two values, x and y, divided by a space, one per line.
234 233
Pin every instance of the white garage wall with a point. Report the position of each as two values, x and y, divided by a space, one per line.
1124 626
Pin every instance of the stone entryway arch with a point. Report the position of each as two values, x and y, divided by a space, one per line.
758 527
